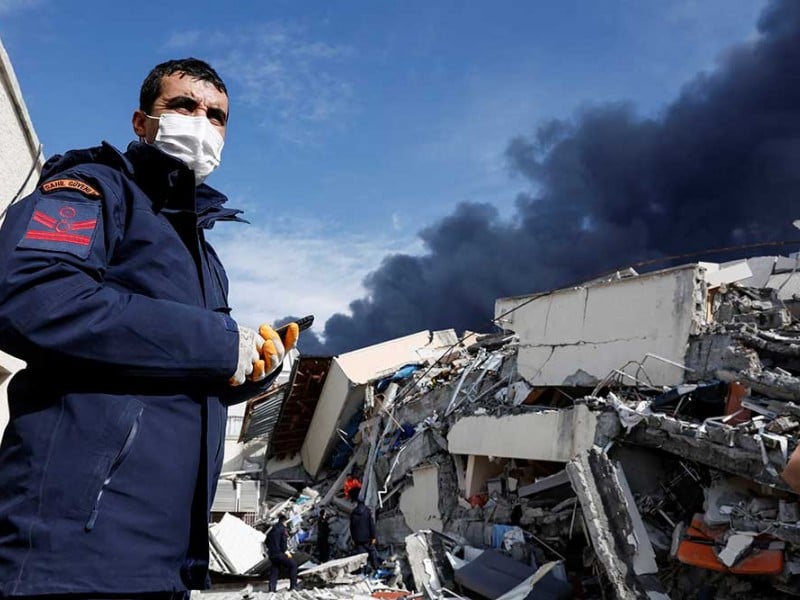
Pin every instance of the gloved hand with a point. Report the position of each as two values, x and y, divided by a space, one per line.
274 349
251 346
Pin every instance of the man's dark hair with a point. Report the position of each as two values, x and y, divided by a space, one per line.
354 493
190 67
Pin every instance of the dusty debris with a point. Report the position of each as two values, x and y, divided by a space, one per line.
626 434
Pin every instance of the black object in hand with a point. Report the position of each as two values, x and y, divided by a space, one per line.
302 324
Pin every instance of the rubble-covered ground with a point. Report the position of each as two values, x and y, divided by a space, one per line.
486 486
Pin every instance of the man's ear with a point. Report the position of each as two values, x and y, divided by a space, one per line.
138 121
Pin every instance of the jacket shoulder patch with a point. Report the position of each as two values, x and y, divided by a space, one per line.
61 226
71 184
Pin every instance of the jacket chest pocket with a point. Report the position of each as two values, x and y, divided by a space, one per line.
95 436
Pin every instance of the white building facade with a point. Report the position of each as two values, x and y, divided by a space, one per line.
21 160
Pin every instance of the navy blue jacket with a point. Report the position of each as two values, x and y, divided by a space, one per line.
362 525
276 541
111 294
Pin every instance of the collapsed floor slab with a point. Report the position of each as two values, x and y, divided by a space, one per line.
616 529
551 435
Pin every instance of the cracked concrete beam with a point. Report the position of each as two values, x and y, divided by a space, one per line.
773 385
735 460
422 566
773 344
553 435
334 570
787 532
615 526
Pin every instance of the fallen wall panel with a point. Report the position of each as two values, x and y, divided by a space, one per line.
578 336
618 535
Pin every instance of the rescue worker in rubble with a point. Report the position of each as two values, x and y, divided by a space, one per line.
279 555
362 529
352 482
111 294
323 536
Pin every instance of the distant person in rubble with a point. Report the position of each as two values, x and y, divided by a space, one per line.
112 295
791 474
362 529
324 535
279 556
351 483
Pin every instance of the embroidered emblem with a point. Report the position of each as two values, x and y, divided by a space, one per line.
62 226
71 184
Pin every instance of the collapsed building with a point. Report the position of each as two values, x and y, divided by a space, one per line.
622 438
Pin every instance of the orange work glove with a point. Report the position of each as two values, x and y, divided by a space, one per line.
274 349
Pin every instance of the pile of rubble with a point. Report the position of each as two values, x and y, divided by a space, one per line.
624 438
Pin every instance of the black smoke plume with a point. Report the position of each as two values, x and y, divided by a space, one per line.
720 167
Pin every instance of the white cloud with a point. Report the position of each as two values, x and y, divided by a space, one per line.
397 222
183 39
293 268
11 6
277 68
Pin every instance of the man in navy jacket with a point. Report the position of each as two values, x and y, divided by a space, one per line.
111 294
362 529
279 556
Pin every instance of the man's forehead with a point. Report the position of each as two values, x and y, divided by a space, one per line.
181 84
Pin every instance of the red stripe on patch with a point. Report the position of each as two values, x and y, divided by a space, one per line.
83 225
44 219
52 236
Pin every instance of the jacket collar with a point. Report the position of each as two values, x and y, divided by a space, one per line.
169 183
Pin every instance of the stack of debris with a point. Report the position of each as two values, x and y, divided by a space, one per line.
624 438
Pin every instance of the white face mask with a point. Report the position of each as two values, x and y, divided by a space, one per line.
192 140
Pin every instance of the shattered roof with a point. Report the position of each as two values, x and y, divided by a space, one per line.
305 387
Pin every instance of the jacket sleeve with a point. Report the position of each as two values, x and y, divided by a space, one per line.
56 305
371 525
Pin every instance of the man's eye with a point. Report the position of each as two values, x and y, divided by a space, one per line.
216 117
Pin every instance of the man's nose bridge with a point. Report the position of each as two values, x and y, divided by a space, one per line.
201 109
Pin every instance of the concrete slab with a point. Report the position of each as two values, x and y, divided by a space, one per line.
554 435
240 545
578 336
422 566
419 502
615 526
544 483
343 391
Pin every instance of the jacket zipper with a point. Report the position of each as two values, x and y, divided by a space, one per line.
121 456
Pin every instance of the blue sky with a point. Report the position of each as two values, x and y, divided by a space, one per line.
355 124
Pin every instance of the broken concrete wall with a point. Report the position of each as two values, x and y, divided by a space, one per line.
422 445
578 336
343 392
419 502
612 519
332 404
551 435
